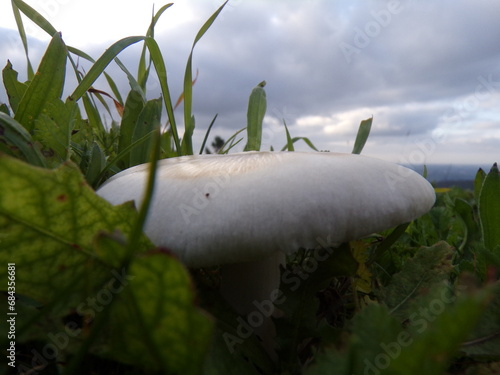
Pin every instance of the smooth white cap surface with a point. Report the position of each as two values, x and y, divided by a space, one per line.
218 209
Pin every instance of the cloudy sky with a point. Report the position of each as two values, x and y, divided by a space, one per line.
428 72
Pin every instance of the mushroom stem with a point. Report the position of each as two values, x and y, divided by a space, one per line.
251 289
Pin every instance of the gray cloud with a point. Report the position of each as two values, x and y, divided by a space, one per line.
416 66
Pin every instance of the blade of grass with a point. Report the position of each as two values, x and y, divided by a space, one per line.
22 34
101 63
478 183
142 70
230 142
206 134
36 17
161 72
121 155
46 85
147 121
188 79
388 242
362 136
305 139
148 194
289 142
134 85
489 209
255 115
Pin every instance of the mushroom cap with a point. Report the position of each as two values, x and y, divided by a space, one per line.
219 209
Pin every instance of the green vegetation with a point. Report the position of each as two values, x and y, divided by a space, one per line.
93 295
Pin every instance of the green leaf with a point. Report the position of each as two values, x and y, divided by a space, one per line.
207 134
305 139
147 122
36 17
489 209
133 107
478 183
188 86
142 71
101 63
22 34
431 337
161 72
187 139
49 219
362 136
53 128
289 141
429 266
484 341
47 84
466 213
96 163
255 115
437 330
71 250
15 89
154 322
14 138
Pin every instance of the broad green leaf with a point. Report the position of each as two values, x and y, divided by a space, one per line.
380 344
154 322
472 230
489 209
53 129
362 136
49 219
437 330
15 89
47 84
429 266
133 107
484 341
255 115
71 252
14 139
147 122
96 163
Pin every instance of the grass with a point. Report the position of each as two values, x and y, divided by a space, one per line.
93 295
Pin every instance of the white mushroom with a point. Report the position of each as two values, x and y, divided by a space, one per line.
245 211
